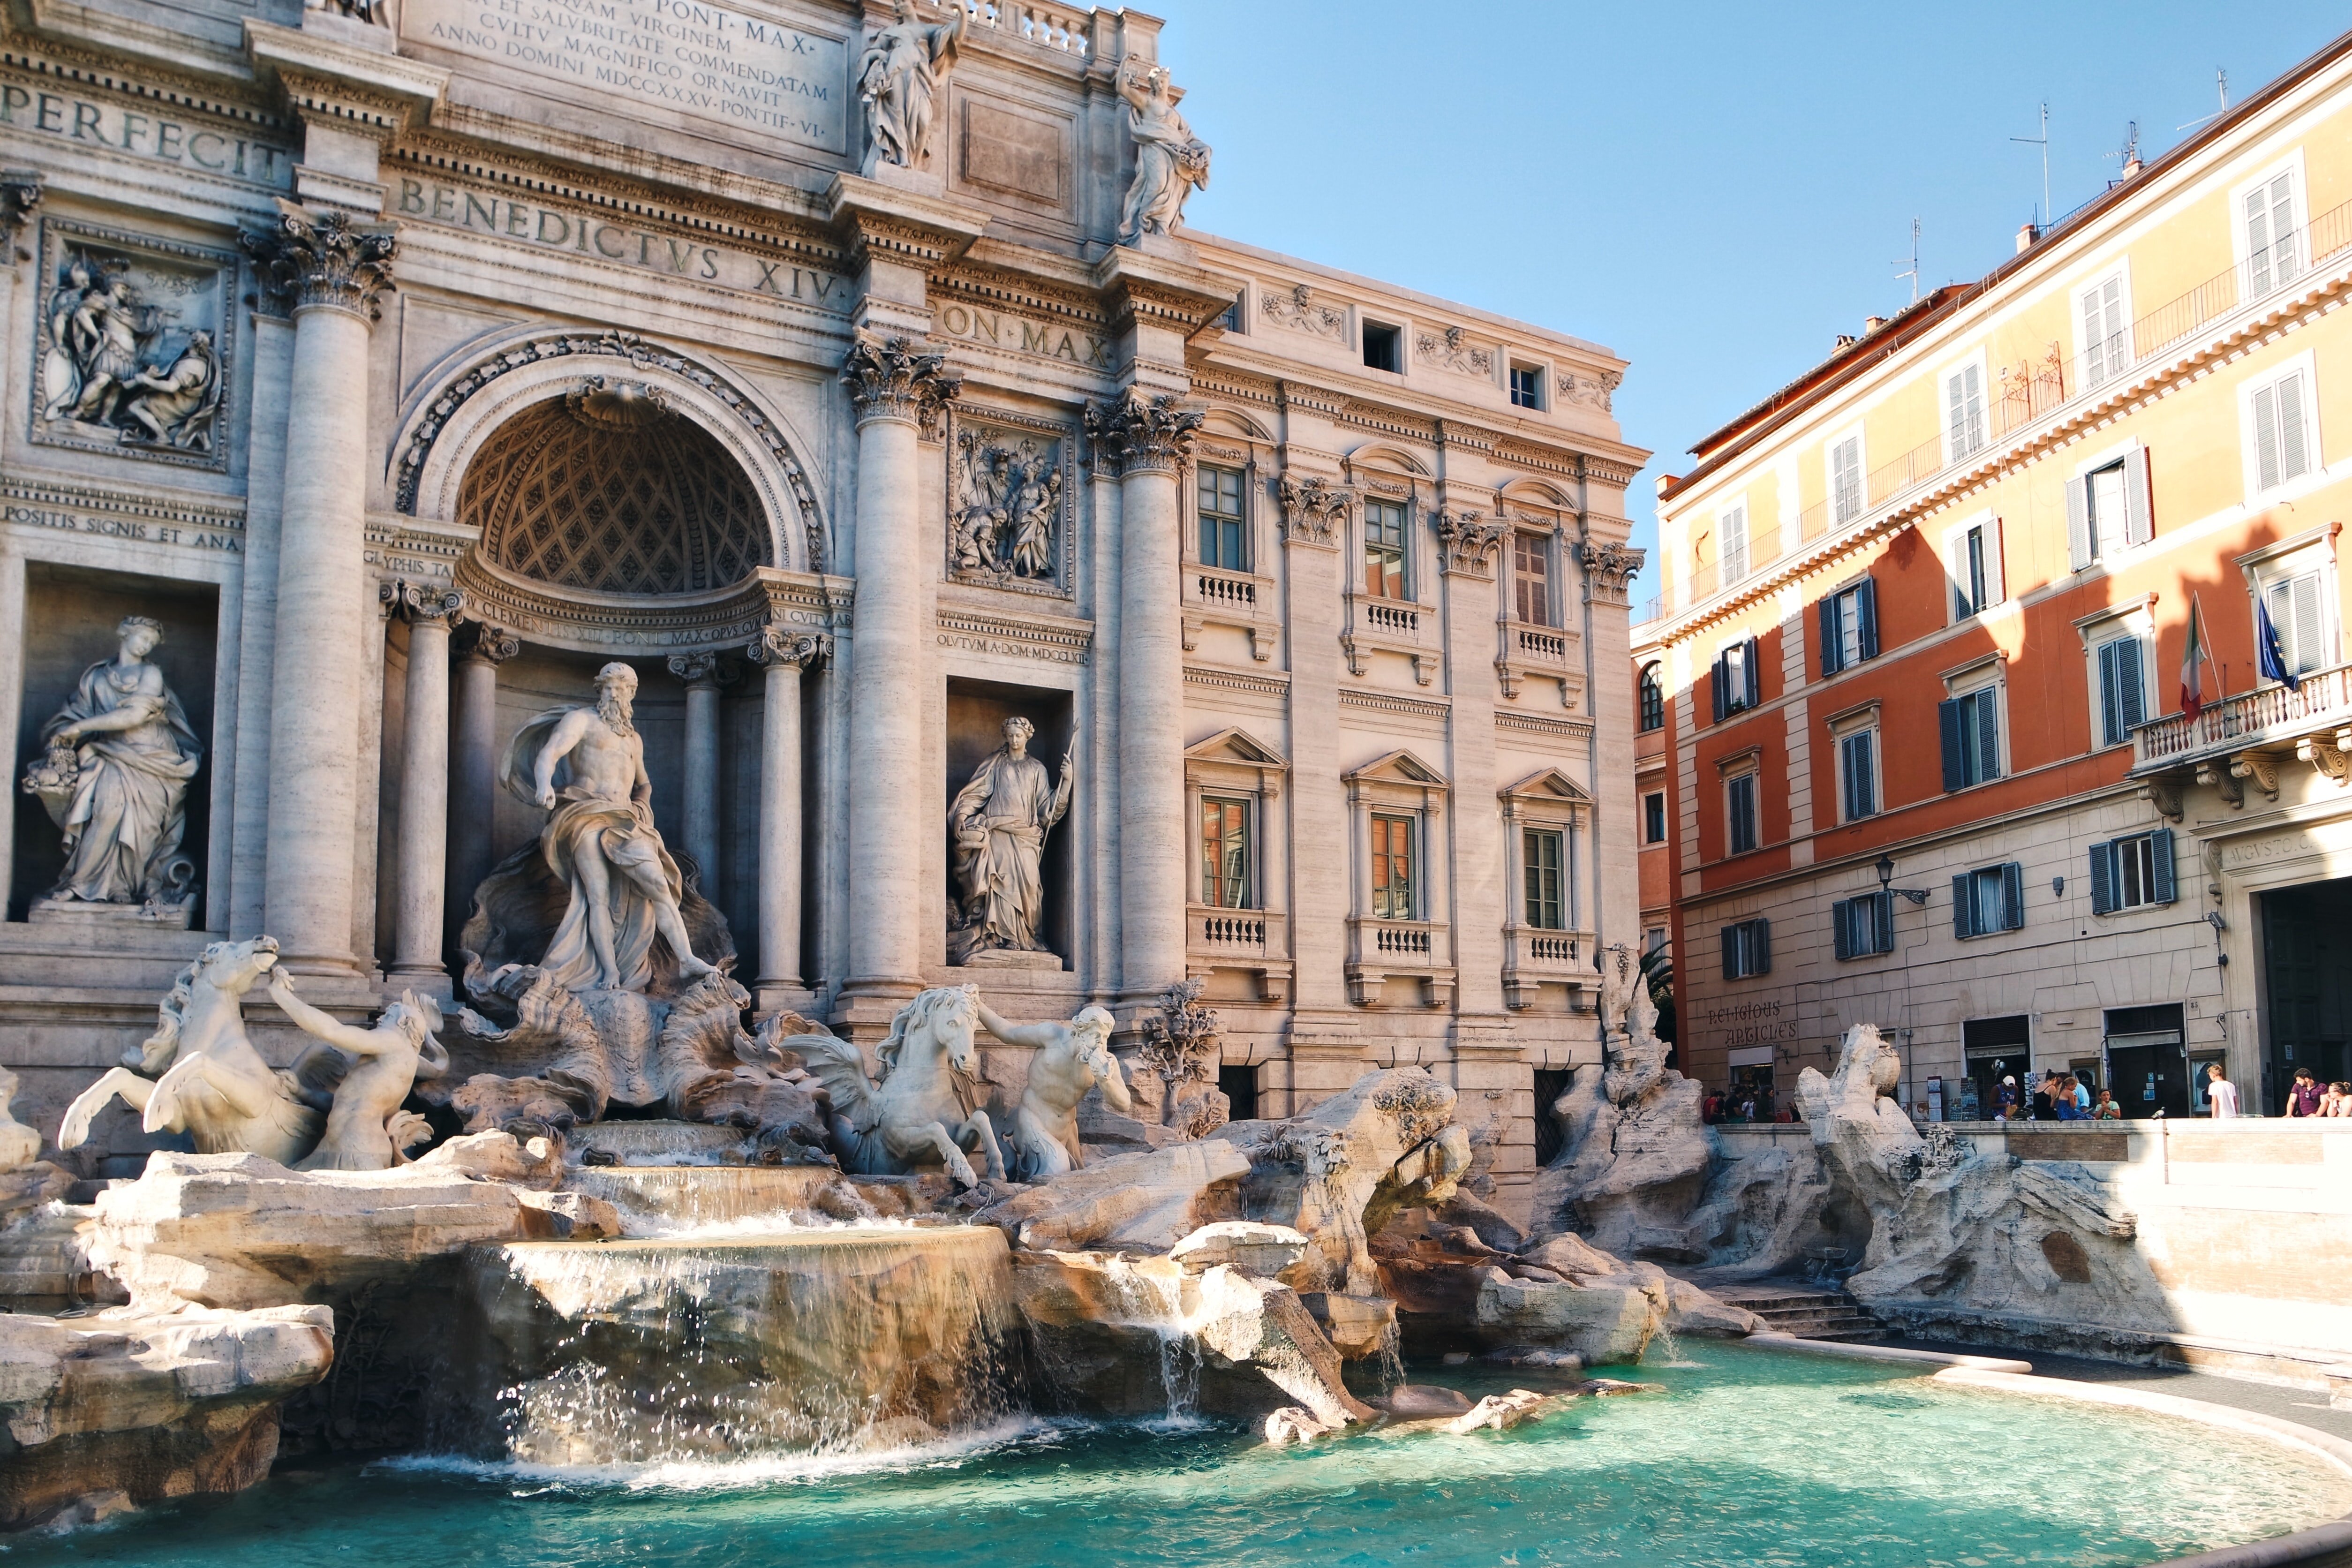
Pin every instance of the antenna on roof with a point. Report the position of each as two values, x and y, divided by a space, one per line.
2042 142
2222 87
1914 273
2128 154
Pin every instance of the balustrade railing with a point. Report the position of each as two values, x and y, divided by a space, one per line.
1065 27
1234 590
2266 714
1394 619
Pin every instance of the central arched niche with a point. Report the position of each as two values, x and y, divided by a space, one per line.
607 490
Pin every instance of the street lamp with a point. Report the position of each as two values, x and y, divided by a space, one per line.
1887 877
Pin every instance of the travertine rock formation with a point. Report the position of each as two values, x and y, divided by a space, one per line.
1147 1201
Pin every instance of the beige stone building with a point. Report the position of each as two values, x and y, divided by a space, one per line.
854 382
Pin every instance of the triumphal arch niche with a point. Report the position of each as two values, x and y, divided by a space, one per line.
755 504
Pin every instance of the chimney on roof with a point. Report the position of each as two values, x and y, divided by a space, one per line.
1667 482
1844 342
2131 165
1872 323
2026 234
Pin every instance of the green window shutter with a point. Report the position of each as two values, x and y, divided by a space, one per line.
2162 845
1964 905
2102 878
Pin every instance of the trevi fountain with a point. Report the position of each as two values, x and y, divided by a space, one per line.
756 823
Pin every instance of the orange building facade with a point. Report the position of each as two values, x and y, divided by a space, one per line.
1920 651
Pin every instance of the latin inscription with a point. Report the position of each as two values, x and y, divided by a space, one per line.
1043 339
97 124
709 62
99 524
583 233
1005 648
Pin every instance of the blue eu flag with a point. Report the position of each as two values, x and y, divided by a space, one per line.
2266 650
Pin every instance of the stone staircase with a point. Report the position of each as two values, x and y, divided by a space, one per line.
1808 1311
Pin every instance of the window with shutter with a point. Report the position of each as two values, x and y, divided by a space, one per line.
2012 897
2133 872
1858 763
2272 255
1963 421
1846 480
2102 878
1747 948
1832 638
1990 898
2282 431
1964 905
1739 813
1733 526
2160 853
1947 723
2122 689
1842 926
2298 609
2105 351
1972 738
2110 510
1973 565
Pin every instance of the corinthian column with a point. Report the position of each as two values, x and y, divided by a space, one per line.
331 270
474 763
703 674
896 390
1149 438
783 654
424 782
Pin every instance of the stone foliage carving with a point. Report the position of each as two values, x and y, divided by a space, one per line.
1471 539
786 644
1169 161
1302 312
1140 433
414 602
1611 568
997 824
1591 391
1071 1060
922 1110
900 80
323 260
131 349
1180 1046
115 777
897 379
1312 510
1008 507
1447 351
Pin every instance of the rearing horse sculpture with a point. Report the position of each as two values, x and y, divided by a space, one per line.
199 1074
913 1114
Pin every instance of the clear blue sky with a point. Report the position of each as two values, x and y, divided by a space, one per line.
1713 191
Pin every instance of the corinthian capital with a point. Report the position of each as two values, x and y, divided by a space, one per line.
778 646
322 258
491 645
1611 568
20 192
897 380
1141 434
1471 540
414 602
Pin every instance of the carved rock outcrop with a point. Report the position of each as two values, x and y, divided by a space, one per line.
1146 1201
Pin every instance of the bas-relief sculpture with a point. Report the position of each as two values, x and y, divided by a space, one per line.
901 79
114 778
1071 1059
118 367
1169 161
998 823
1007 509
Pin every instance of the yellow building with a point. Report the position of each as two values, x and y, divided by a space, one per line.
1923 625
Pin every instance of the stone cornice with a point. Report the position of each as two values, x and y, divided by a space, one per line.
1161 291
998 288
168 78
881 222
104 38
365 92
726 620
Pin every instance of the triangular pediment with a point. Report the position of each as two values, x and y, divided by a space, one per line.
1397 767
1235 745
1549 783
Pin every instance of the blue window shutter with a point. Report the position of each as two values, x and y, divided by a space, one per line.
1883 908
1715 684
2102 878
1988 735
1763 942
2163 868
1832 645
1865 610
1842 922
2110 694
2013 896
1964 906
1948 720
1731 953
2128 677
1752 673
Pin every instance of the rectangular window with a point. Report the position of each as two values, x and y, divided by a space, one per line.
1384 347
1864 926
1392 870
1970 727
1384 550
1225 854
1527 386
2107 510
1846 480
2107 352
2132 873
2282 432
1747 948
1964 414
1531 577
1545 852
1739 812
1653 817
2272 256
1849 626
1733 526
2123 688
1990 898
1737 682
1858 771
1653 693
1235 316
1972 560
2106 499
2298 612
1221 519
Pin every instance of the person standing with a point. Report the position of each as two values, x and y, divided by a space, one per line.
2303 1098
2045 1109
2219 1092
2083 1098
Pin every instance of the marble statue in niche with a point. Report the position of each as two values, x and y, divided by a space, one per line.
586 768
116 367
1169 161
115 776
1008 508
998 823
900 80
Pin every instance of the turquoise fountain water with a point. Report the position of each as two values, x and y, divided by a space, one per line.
1751 1457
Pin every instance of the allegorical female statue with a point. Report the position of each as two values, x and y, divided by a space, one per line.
1169 161
116 778
999 821
899 81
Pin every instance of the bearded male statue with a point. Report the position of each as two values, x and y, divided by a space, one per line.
586 768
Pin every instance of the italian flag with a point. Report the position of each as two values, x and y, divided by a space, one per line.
2194 662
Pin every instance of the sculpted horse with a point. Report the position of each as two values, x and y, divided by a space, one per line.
199 1074
918 1112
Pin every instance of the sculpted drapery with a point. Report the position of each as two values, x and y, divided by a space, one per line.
900 80
1169 161
999 821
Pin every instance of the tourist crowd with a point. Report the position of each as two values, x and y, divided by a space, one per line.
2056 1097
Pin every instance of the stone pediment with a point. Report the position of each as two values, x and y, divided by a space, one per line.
1235 746
1548 783
1398 767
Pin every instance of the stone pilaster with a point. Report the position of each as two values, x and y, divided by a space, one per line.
474 763
704 674
783 652
424 783
332 271
1471 538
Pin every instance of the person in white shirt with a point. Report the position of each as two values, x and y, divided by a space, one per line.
2220 1093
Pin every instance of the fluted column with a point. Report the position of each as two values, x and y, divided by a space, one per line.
424 783
331 270
896 389
1149 438
473 765
704 674
783 653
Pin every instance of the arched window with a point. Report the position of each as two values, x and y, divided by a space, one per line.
1654 699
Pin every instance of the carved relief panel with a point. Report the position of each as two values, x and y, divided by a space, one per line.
134 346
1012 501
